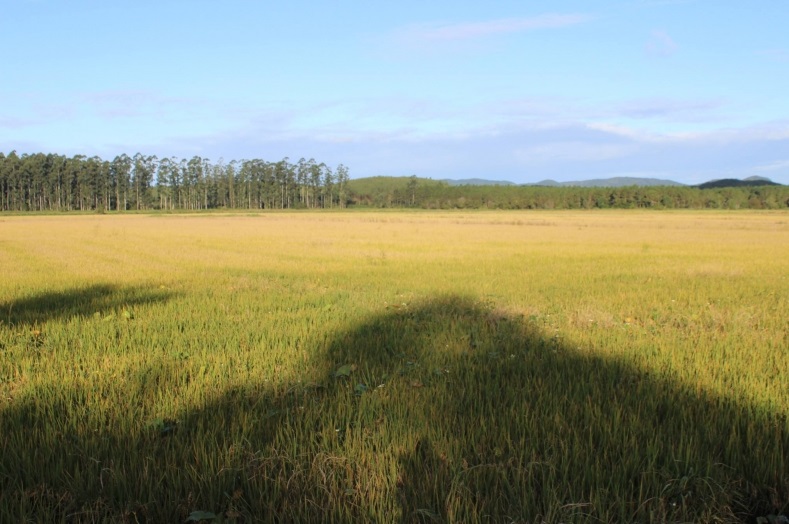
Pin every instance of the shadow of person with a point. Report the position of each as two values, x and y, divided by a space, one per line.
501 421
444 411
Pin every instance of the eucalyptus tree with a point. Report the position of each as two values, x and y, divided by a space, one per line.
11 181
302 176
225 179
195 183
96 183
328 185
49 181
33 178
24 181
230 175
244 184
412 185
283 175
121 180
269 187
75 182
342 184
205 183
316 170
3 182
52 178
250 176
143 170
258 173
291 188
181 184
166 172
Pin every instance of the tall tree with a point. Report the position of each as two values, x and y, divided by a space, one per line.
121 178
342 185
328 185
412 185
143 170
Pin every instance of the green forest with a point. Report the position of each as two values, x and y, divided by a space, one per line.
51 182
432 194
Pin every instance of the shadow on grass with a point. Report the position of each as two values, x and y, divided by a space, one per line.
83 301
448 411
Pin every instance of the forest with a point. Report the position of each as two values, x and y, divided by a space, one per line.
412 192
51 182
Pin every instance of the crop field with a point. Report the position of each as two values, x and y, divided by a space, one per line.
620 366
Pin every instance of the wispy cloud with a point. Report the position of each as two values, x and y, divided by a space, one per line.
774 133
671 109
658 3
35 112
525 139
113 104
629 133
569 152
474 30
660 43
779 55
11 122
778 165
518 151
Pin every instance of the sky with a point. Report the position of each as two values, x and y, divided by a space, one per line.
686 90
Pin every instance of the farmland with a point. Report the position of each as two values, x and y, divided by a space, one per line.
598 366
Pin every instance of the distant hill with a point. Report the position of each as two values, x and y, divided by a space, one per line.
378 184
365 185
610 182
733 182
478 182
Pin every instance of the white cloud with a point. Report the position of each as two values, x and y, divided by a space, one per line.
765 132
11 122
687 110
660 43
473 30
778 55
778 165
658 3
525 139
630 133
112 104
569 152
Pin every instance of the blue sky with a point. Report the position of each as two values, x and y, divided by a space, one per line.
687 90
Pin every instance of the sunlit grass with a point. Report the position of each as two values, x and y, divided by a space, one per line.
568 366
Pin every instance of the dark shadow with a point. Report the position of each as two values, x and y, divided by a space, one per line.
82 301
448 411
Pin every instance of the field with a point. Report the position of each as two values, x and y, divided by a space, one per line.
395 367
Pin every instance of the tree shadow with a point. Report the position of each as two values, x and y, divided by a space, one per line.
446 411
81 301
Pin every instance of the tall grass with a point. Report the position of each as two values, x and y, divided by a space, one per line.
457 367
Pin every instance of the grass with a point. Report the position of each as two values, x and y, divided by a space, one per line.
395 367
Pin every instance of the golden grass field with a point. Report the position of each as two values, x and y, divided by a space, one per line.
618 366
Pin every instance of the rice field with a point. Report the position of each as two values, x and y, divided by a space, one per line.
395 367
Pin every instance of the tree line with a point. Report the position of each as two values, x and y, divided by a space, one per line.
51 182
431 194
